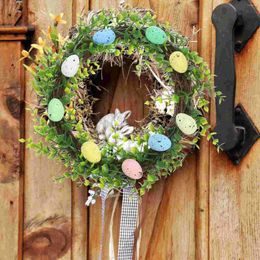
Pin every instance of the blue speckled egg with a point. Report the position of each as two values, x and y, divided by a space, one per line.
159 142
106 36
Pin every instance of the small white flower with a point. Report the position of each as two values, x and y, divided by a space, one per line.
171 109
91 198
161 106
164 103
89 201
129 145
115 138
91 192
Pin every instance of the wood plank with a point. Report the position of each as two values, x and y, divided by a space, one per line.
202 184
172 235
168 211
79 7
111 220
11 158
234 190
96 5
79 194
48 206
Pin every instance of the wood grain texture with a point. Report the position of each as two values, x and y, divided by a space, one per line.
79 7
79 246
202 178
210 209
234 190
48 206
10 12
11 179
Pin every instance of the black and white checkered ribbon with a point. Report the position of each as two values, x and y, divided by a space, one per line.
128 222
129 215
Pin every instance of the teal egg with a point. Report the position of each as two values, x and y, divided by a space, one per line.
55 110
106 36
156 35
159 142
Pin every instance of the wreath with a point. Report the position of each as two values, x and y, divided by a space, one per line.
111 153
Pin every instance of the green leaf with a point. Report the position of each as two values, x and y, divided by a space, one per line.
175 98
105 169
117 53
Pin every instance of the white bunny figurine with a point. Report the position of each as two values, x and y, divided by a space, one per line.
103 124
114 123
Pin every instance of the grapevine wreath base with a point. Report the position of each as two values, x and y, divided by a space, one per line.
111 154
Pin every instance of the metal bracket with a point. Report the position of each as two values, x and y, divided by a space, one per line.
247 24
250 134
235 24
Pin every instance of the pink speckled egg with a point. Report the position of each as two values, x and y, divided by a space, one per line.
132 169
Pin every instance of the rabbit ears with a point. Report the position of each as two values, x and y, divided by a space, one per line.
122 116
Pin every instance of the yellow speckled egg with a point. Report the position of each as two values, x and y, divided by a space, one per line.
179 62
91 152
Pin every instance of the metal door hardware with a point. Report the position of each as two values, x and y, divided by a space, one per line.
235 24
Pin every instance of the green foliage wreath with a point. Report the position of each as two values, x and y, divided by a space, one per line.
173 93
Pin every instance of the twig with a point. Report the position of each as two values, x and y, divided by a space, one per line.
158 79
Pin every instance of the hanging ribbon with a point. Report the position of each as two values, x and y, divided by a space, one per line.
129 214
104 195
128 222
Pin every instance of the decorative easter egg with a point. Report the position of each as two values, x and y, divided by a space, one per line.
186 124
106 36
132 169
155 35
179 62
55 110
159 142
91 152
70 66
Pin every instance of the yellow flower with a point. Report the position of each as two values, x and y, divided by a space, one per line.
49 32
39 46
58 19
25 55
62 39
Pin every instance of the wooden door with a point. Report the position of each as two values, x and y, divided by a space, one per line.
207 210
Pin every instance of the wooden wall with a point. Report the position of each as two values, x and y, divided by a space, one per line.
207 210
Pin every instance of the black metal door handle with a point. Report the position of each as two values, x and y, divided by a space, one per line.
224 19
235 23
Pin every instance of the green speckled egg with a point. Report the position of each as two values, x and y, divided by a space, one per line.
156 35
55 110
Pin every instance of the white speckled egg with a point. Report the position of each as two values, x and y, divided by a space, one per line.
70 66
